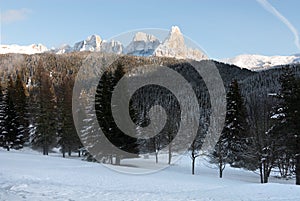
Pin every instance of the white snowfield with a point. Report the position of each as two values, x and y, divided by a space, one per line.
260 62
31 176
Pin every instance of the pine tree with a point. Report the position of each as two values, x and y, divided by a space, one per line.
233 142
20 100
10 129
46 115
3 132
104 115
67 134
288 116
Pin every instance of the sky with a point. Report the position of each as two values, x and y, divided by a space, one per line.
221 28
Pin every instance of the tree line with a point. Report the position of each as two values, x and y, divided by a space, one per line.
260 132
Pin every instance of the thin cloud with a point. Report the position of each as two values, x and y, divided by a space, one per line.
274 11
15 15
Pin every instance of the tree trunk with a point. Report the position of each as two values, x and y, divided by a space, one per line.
63 151
220 162
298 170
266 178
221 172
79 153
170 154
118 160
69 151
261 173
156 157
193 165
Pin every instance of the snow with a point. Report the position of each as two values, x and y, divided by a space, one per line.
142 44
260 62
30 49
27 175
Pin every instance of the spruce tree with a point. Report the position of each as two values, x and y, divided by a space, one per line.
104 114
68 139
10 130
233 142
46 116
287 128
20 100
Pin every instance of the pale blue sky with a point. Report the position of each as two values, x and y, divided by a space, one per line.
223 28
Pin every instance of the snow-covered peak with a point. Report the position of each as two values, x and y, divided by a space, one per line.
142 44
92 43
175 30
30 49
65 48
141 36
111 47
94 40
260 62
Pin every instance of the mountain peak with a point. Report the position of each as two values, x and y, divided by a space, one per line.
175 29
174 46
142 44
141 36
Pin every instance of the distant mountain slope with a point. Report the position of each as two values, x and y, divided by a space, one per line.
259 62
30 49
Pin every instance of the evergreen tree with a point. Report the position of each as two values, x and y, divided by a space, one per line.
288 117
233 142
104 115
20 101
3 107
10 130
67 134
46 116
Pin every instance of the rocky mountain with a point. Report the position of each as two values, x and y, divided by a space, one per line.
260 62
92 43
142 44
174 46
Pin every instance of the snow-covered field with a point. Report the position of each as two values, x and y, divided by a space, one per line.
27 175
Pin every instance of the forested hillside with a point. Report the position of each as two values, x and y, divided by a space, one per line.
260 131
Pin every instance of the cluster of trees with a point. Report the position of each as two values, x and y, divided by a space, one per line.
264 136
37 111
261 130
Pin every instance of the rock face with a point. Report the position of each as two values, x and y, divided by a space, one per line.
174 46
92 43
111 47
142 45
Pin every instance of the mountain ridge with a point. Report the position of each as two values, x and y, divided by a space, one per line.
143 44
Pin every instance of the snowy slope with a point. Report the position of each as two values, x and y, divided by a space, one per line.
259 62
30 176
